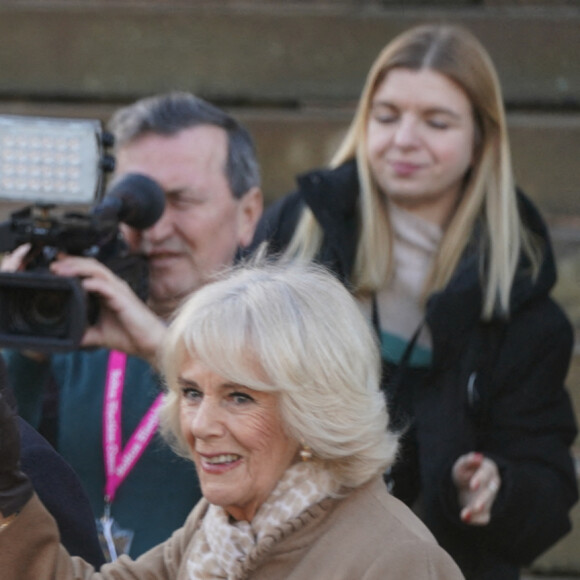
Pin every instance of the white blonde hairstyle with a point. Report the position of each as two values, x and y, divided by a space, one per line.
293 330
488 194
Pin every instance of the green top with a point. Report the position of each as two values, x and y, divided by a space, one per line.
393 348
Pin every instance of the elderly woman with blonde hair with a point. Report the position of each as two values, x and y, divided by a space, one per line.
273 391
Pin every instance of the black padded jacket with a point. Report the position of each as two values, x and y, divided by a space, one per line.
496 387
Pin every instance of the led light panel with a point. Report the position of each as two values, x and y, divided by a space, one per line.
44 160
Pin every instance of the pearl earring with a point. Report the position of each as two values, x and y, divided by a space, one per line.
305 452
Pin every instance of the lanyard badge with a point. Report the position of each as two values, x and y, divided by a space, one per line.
119 462
114 540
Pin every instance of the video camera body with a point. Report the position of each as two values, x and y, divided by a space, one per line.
45 312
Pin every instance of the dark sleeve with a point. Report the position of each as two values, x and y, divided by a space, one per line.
60 491
529 434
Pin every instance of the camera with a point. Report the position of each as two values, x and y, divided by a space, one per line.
56 165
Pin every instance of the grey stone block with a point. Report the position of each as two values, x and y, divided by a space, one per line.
262 52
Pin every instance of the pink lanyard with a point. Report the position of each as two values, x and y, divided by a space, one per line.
119 462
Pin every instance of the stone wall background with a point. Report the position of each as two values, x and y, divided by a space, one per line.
292 71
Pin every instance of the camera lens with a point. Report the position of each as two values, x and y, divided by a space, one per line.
40 312
48 307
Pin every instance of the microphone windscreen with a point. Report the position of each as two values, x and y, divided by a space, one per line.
138 200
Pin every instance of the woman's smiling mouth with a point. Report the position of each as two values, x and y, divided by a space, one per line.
219 463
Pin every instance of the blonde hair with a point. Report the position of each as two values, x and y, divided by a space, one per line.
488 192
296 331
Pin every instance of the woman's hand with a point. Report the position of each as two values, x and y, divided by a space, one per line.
478 481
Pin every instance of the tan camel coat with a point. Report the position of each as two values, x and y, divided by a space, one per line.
368 535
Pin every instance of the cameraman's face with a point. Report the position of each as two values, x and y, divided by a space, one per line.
202 225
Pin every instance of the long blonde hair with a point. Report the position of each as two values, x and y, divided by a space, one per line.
488 191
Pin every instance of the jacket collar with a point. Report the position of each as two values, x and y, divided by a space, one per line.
333 197
331 194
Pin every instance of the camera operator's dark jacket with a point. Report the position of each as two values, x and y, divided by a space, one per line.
494 387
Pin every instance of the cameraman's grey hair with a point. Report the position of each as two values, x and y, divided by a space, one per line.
170 113
294 330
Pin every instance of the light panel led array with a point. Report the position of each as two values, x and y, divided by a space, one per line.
49 160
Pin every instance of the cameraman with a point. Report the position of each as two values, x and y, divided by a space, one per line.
205 162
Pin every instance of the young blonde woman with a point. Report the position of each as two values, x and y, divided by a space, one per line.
418 214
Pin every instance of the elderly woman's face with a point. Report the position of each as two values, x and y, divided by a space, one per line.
236 437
